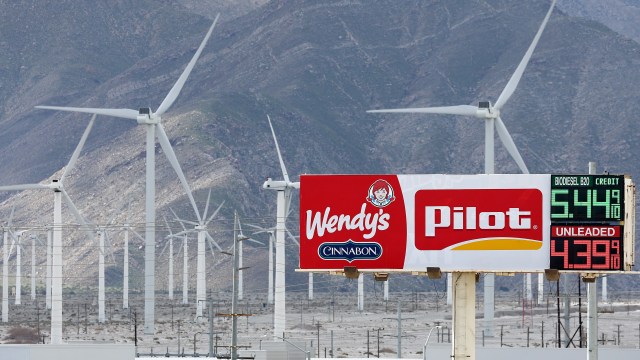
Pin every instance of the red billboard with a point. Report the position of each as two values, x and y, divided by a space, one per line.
411 222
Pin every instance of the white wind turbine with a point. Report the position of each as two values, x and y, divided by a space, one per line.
490 113
5 269
17 242
153 123
169 243
185 260
241 267
33 238
200 227
59 193
283 188
126 227
48 270
101 232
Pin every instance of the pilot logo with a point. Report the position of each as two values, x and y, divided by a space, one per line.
479 219
380 194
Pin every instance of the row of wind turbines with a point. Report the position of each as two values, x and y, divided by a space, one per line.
154 129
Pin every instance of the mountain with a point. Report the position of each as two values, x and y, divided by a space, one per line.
621 16
315 67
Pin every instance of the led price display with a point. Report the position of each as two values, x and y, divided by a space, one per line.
586 247
584 198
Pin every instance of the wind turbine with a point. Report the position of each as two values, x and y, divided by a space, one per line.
200 227
170 244
101 232
185 261
59 193
48 271
33 238
490 113
153 123
17 242
283 188
126 227
5 269
241 268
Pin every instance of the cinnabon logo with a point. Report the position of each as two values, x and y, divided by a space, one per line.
479 219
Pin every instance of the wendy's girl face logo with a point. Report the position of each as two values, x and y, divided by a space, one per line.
380 194
361 222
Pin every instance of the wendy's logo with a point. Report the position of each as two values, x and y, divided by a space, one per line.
380 194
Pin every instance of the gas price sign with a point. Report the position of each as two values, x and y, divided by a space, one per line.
586 247
587 198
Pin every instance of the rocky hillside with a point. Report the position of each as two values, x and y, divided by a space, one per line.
315 67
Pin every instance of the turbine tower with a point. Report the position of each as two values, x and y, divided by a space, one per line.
17 241
59 193
283 188
126 227
5 268
200 227
490 113
153 122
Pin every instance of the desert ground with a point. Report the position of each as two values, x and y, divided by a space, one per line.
330 319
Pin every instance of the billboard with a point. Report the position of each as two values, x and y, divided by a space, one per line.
488 223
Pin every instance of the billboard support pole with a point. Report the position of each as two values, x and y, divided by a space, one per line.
464 316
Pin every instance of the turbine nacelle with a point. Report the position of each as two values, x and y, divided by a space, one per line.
56 185
487 111
280 184
146 116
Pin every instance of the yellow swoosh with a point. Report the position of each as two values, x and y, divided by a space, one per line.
501 244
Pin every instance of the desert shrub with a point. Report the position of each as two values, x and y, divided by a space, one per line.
22 335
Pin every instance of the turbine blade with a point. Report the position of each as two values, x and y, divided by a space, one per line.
13 209
468 110
76 152
166 244
517 75
79 218
177 87
167 224
287 202
284 169
257 227
109 246
214 213
136 234
183 232
213 241
510 145
22 187
177 218
171 156
292 237
119 113
255 241
206 207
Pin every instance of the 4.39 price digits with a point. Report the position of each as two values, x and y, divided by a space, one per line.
585 254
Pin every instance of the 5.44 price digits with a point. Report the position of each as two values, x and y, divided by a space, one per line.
585 254
588 204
